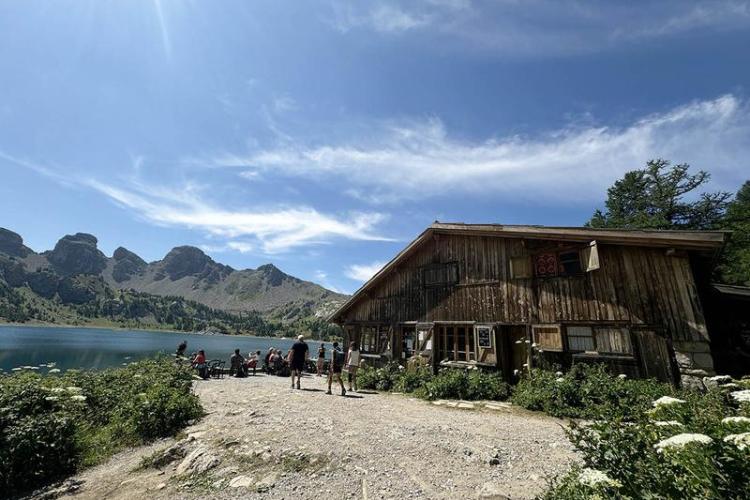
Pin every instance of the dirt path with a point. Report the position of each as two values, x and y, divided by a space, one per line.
263 440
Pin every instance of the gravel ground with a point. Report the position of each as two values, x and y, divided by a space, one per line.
261 439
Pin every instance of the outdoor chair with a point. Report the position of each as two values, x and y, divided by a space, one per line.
216 368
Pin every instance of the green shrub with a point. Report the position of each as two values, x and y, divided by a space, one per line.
412 379
689 445
587 391
50 426
465 384
380 379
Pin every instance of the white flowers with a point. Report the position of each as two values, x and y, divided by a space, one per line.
667 423
51 398
558 374
741 396
593 478
54 370
735 420
741 441
78 397
559 380
622 376
73 388
666 401
681 440
57 389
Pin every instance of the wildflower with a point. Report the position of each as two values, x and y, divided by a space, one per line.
593 478
667 400
54 370
680 440
741 441
57 389
51 398
78 397
667 423
622 376
741 396
73 388
558 374
736 420
559 380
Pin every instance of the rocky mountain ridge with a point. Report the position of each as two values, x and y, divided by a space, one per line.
76 267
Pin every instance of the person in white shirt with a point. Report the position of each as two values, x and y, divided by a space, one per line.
352 364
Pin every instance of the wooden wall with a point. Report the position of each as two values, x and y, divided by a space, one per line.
634 285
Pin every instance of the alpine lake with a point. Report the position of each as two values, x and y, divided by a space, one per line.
64 348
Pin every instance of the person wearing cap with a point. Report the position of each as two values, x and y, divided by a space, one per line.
297 356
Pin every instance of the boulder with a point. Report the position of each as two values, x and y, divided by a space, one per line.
198 461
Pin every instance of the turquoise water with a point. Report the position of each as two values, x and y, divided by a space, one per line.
102 348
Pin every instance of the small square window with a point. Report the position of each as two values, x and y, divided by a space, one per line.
580 338
570 264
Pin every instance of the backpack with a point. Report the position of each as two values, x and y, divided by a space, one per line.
338 358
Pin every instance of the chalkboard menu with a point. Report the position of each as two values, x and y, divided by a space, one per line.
484 337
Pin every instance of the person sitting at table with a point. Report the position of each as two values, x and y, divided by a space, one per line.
252 362
237 364
199 363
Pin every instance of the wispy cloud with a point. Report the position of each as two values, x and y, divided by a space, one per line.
363 272
276 230
540 27
421 157
166 42
270 230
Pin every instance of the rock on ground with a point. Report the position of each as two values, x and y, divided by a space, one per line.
262 439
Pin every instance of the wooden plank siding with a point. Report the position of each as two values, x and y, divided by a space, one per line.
634 285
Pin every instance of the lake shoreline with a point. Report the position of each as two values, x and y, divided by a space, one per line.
44 324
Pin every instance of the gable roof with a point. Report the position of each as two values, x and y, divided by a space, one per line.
710 241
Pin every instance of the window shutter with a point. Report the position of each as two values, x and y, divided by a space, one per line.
547 337
520 267
590 257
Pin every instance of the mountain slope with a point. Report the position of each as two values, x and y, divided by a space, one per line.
185 272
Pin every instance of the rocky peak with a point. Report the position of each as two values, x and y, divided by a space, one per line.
77 254
126 264
185 261
274 276
12 244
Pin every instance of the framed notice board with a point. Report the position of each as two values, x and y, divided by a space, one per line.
484 336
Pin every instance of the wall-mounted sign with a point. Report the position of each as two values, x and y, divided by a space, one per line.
484 336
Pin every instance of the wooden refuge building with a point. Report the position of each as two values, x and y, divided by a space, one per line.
506 297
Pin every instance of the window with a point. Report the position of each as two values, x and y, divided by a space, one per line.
580 338
570 263
520 267
590 257
368 339
547 337
603 340
440 274
548 265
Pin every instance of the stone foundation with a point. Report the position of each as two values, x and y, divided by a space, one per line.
694 361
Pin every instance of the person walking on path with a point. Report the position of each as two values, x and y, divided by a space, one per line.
334 370
352 364
321 359
298 354
181 349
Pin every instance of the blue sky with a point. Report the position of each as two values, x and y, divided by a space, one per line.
324 135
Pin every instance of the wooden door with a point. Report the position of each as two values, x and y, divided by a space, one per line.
518 348
655 353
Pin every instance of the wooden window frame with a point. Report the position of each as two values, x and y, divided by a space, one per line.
476 337
451 274
521 267
628 332
535 337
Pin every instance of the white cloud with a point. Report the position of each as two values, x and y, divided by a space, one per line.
421 157
363 272
540 27
276 230
284 103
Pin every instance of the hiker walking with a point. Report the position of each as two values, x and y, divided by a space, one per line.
352 364
334 370
181 349
297 356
